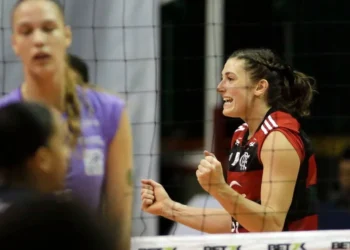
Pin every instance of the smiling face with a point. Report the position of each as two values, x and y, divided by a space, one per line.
40 37
236 89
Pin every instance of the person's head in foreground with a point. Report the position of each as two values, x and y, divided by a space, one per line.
255 80
47 223
33 148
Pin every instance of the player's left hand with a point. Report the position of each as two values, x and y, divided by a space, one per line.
209 173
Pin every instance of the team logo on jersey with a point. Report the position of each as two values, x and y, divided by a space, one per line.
236 159
251 144
94 162
243 161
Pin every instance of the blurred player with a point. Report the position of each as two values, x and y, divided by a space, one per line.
31 163
47 223
101 166
33 166
271 184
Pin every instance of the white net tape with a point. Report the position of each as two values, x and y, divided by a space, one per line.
312 240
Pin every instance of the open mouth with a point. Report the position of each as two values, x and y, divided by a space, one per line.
228 100
41 56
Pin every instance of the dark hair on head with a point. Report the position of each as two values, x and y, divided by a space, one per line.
37 222
24 128
80 67
288 89
72 79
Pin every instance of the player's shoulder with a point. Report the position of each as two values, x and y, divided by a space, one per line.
279 119
103 99
107 108
13 96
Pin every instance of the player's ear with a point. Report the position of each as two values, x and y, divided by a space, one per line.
261 87
41 161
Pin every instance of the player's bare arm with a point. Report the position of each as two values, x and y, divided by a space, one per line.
155 200
119 188
281 166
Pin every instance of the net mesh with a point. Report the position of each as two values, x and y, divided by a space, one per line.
120 41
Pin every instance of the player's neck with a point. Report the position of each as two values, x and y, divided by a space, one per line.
255 117
49 90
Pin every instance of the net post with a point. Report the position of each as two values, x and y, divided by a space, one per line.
214 51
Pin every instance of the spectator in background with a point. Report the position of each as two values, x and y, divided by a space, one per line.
335 214
80 67
343 199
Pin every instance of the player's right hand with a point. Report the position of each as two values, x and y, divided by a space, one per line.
155 200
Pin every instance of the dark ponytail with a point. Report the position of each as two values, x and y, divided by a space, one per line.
288 90
301 93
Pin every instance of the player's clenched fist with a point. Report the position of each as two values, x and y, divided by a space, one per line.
155 200
209 173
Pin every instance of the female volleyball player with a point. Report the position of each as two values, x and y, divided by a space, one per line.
34 162
100 168
33 166
272 171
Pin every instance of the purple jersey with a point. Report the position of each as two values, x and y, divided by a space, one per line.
100 117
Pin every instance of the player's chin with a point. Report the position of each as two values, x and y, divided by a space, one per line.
43 70
230 112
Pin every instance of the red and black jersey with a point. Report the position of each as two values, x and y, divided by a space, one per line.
245 169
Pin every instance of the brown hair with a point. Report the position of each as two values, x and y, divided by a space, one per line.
288 90
72 104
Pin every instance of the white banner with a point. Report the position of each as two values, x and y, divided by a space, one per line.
312 240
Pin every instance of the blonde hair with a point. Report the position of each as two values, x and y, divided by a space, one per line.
72 104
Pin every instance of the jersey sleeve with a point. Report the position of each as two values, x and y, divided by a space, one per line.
109 109
294 139
288 126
